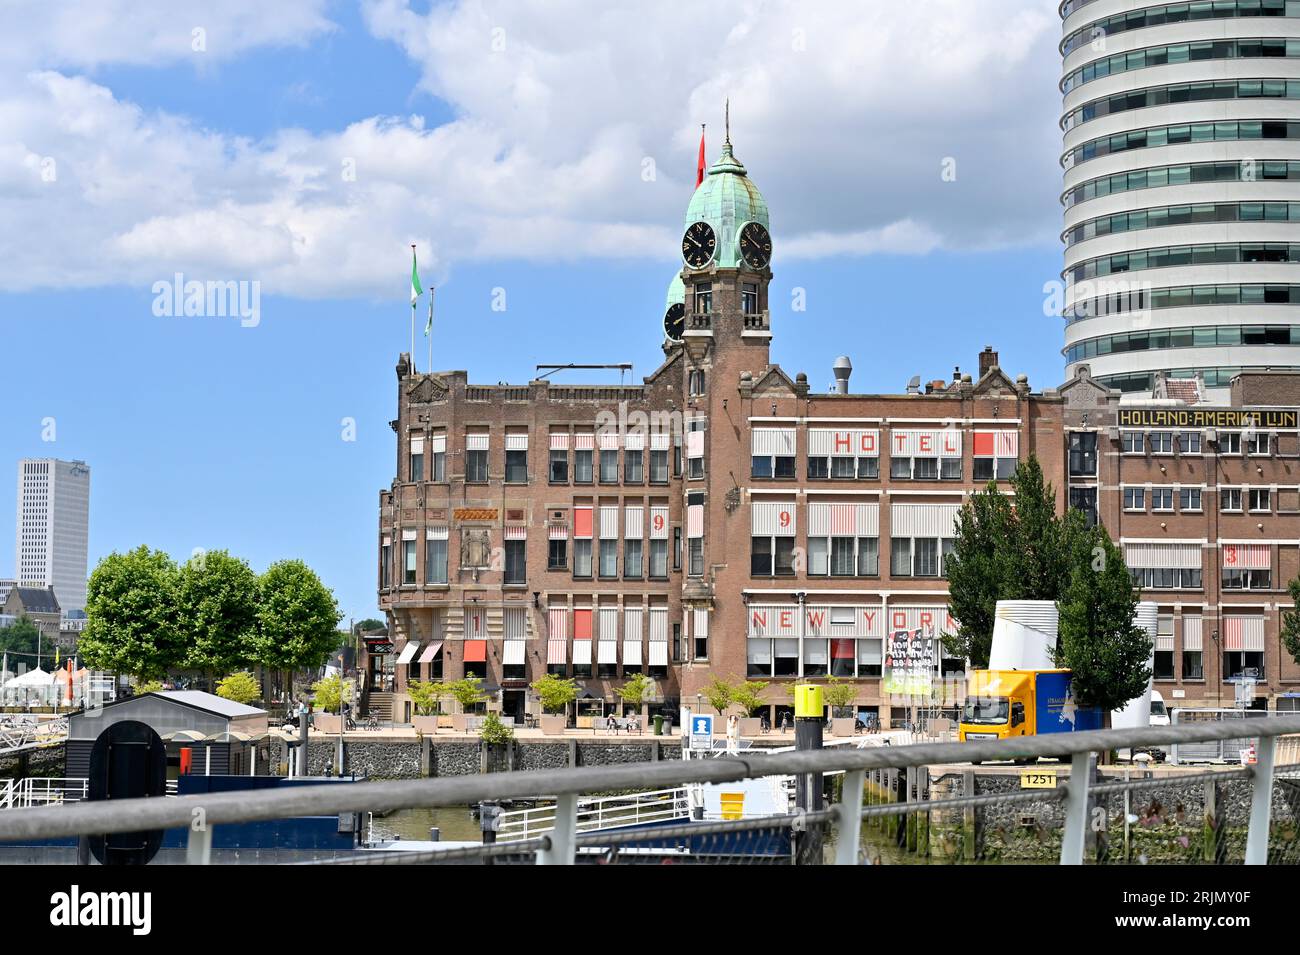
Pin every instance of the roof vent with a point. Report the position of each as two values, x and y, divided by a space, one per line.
842 369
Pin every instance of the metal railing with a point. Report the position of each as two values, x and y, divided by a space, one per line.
25 732
32 791
834 833
603 812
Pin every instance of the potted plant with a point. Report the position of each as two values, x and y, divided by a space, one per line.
748 695
426 696
555 694
329 695
468 692
634 693
839 696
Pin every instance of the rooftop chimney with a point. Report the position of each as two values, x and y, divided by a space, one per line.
988 359
842 369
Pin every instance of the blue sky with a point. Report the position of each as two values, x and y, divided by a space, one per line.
512 168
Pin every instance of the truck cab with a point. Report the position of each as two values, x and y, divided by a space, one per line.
998 705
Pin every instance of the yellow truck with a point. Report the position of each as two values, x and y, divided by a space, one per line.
1005 703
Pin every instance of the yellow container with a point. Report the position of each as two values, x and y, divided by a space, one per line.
732 805
808 701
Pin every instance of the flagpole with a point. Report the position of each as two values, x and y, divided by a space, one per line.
428 332
413 303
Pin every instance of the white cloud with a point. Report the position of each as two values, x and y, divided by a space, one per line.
843 115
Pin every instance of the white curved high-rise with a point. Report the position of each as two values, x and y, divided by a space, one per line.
1182 188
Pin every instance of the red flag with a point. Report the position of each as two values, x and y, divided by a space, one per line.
699 164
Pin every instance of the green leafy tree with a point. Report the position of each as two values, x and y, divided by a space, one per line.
330 692
1108 654
217 597
494 732
1008 547
148 686
1290 622
131 603
468 692
839 696
426 696
241 687
555 692
748 695
23 639
634 690
369 625
297 617
720 694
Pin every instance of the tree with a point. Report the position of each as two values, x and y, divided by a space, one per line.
426 696
131 606
1108 654
555 692
634 689
148 686
748 695
839 695
494 732
241 687
297 616
720 694
1008 547
23 639
330 692
468 692
1291 622
217 603
369 625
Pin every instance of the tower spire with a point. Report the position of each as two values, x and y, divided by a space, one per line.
727 118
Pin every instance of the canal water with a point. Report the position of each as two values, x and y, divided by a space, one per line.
456 824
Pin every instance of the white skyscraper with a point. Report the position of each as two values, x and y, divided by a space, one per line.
53 522
1182 208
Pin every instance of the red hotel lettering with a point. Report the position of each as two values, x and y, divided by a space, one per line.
816 619
759 619
901 440
948 443
784 619
927 619
868 442
870 617
785 518
1229 555
899 620
924 444
842 440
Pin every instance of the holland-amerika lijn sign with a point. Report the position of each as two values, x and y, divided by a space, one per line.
1208 418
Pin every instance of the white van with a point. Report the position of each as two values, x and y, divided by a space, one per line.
1159 715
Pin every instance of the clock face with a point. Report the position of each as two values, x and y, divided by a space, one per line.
698 245
755 245
675 321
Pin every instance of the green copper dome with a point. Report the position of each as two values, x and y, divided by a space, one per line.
676 293
726 200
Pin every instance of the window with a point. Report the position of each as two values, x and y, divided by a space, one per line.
1258 444
385 565
1189 498
609 558
749 298
633 467
516 466
695 448
658 560
1230 499
1189 442
677 548
1162 499
582 466
1085 500
925 557
582 558
516 555
703 298
1163 665
695 381
1131 442
1260 500
1165 578
1193 667
439 442
632 559
695 567
1243 663
1237 578
992 469
772 557
557 554
925 469
843 556
476 466
408 560
658 466
1230 442
1162 442
608 466
435 561
772 466
1083 454
1134 499
559 465
900 557
416 470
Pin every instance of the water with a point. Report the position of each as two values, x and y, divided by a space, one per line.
456 823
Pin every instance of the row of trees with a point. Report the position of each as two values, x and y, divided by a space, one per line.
1016 547
149 615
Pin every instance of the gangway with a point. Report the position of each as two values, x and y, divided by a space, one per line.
25 733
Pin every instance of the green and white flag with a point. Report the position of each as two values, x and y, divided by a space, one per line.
416 290
428 326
